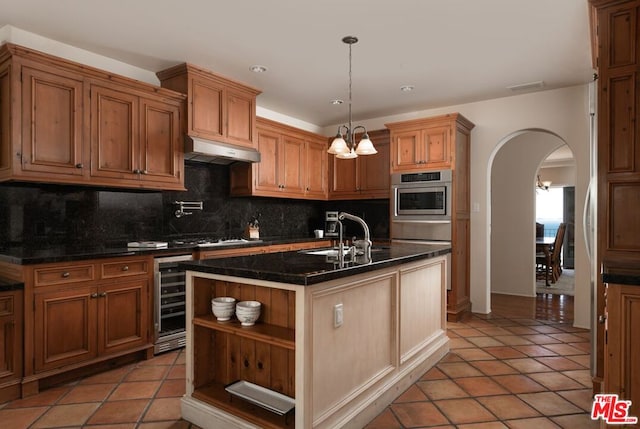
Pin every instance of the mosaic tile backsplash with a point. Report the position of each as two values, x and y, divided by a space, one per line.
53 214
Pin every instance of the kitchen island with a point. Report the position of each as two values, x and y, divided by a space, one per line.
332 347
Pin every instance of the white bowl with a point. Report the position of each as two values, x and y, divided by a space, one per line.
248 312
223 307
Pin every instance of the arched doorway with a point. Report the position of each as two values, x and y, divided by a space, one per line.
513 170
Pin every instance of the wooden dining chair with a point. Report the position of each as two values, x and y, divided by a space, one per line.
555 268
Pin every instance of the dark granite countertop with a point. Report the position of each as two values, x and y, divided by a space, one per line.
39 254
621 272
300 268
8 285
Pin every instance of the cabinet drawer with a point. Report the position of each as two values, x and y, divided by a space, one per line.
7 305
62 275
130 267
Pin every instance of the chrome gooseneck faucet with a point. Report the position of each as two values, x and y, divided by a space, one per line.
365 244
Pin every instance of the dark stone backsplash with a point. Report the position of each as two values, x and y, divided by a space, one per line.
55 214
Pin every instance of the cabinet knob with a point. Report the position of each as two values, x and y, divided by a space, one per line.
125 268
66 274
79 165
137 171
602 318
246 363
144 171
94 295
103 294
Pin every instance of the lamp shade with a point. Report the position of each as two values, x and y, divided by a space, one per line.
365 147
338 146
350 154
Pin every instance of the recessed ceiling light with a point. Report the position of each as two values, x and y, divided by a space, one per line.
336 101
407 88
539 84
258 69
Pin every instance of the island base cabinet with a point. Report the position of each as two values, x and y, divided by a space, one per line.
224 352
340 371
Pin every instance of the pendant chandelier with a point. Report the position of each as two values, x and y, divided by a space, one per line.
544 184
344 146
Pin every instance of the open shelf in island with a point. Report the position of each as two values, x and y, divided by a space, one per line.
216 395
263 332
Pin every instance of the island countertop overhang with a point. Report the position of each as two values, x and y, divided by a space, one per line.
300 268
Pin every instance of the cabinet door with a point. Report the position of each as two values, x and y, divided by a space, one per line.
10 335
374 172
114 133
240 114
205 108
123 315
64 331
435 147
407 152
160 143
622 350
315 169
291 165
51 122
343 179
267 170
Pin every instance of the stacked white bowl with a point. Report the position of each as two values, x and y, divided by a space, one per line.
223 307
248 312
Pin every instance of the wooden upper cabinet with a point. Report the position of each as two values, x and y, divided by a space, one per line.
161 142
218 108
426 144
292 164
205 108
52 121
62 122
114 133
365 177
316 169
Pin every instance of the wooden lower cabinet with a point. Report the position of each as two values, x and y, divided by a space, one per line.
622 349
86 313
81 323
10 344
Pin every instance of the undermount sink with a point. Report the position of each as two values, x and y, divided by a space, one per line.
324 252
332 251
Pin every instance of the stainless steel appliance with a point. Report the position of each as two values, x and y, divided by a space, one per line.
169 303
421 195
331 224
421 206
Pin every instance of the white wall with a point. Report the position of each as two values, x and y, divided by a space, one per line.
513 211
559 176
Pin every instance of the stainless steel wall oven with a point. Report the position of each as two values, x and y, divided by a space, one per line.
169 303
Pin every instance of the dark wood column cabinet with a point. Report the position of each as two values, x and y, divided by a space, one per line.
616 53
62 122
622 350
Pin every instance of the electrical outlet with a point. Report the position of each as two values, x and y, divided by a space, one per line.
338 315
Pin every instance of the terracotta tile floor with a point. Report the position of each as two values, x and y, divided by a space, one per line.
509 370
